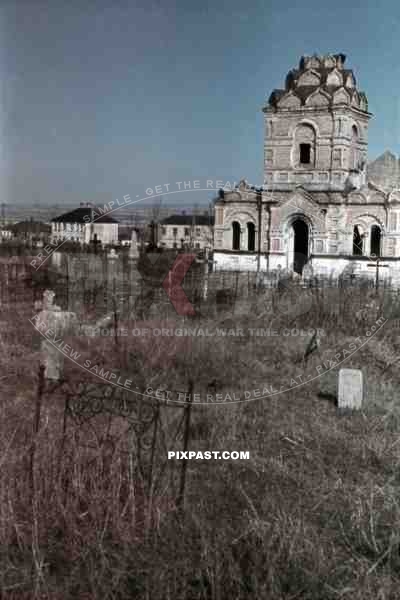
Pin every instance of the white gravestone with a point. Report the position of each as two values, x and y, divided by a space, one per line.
308 272
133 250
112 263
112 254
350 389
60 322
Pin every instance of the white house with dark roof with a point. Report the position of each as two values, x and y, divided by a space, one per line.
186 232
84 225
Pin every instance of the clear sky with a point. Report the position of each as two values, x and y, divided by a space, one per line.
106 98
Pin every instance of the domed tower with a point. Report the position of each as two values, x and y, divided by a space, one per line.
316 129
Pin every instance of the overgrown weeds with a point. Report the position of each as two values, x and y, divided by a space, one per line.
314 514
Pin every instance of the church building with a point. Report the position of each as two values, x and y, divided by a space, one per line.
316 207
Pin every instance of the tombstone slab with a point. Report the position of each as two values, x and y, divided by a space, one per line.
350 394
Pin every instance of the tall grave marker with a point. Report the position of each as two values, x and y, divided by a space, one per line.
350 389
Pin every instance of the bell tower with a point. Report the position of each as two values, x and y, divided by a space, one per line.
316 128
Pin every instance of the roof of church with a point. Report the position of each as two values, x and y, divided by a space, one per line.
319 68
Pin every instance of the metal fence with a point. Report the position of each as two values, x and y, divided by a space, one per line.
82 281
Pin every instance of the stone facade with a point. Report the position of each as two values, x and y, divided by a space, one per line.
316 206
186 232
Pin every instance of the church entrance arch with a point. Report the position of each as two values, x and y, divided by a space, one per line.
299 244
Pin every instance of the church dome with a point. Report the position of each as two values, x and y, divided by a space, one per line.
325 74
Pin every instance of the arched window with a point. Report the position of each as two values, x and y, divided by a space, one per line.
251 237
376 236
305 146
235 235
357 242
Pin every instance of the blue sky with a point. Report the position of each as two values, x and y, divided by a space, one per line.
106 98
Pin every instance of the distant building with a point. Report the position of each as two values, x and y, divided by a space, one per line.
84 225
193 232
6 233
32 231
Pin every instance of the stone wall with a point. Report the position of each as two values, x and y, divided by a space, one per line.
334 154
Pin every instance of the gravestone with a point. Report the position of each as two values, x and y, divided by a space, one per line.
96 270
61 323
350 273
113 265
308 274
133 250
350 394
56 258
112 254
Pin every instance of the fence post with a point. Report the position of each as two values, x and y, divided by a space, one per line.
35 429
181 496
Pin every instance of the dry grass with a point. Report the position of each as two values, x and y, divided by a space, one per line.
314 514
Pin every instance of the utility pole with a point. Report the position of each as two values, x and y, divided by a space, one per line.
3 213
259 209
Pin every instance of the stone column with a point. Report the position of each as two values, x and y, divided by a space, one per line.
243 238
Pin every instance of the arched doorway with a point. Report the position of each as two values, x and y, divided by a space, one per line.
251 237
300 244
